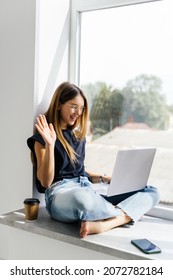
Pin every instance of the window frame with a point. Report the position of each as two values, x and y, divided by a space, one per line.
77 7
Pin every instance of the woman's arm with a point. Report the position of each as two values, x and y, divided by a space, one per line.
45 163
97 178
45 155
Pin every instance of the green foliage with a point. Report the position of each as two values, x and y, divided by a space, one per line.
92 90
171 109
106 108
141 100
145 103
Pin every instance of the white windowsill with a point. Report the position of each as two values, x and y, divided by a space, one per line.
162 212
116 242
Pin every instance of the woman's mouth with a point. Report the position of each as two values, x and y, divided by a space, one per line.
73 119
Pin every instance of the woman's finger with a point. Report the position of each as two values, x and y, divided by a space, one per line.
44 121
39 123
38 128
51 127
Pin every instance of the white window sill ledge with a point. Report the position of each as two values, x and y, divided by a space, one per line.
116 243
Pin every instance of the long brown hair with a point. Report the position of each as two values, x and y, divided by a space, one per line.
65 92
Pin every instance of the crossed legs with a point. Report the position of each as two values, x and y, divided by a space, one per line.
74 203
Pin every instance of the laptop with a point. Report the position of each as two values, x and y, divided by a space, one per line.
131 172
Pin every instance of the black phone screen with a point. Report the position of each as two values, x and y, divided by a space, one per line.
146 246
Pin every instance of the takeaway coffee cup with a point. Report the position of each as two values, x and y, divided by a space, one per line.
31 209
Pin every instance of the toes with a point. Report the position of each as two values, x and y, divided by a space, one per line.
84 230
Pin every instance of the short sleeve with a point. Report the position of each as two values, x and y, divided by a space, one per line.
31 140
30 143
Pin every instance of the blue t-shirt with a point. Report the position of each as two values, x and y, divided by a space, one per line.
63 166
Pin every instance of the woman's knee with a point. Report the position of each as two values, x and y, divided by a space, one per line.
83 200
154 193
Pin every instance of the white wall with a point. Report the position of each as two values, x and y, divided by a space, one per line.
22 96
17 48
19 245
52 43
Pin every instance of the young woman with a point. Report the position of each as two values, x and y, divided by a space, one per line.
58 150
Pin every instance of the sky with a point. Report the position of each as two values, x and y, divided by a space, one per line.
121 43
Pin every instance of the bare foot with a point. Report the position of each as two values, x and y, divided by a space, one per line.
91 227
84 229
88 227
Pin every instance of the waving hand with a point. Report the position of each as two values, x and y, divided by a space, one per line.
46 130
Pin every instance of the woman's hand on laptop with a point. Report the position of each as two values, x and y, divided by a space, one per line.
105 179
98 178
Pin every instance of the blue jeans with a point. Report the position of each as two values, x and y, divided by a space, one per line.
74 199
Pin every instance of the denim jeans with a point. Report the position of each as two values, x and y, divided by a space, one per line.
74 199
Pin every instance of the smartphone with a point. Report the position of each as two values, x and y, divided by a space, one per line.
146 246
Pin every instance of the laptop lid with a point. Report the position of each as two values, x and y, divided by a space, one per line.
131 170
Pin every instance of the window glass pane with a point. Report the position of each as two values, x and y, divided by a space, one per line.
126 72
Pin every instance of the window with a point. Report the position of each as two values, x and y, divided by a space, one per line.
124 63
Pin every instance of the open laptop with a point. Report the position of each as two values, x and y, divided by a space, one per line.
130 173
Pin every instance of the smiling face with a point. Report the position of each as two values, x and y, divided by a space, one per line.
70 111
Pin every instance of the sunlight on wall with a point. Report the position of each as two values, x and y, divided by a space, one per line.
51 50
